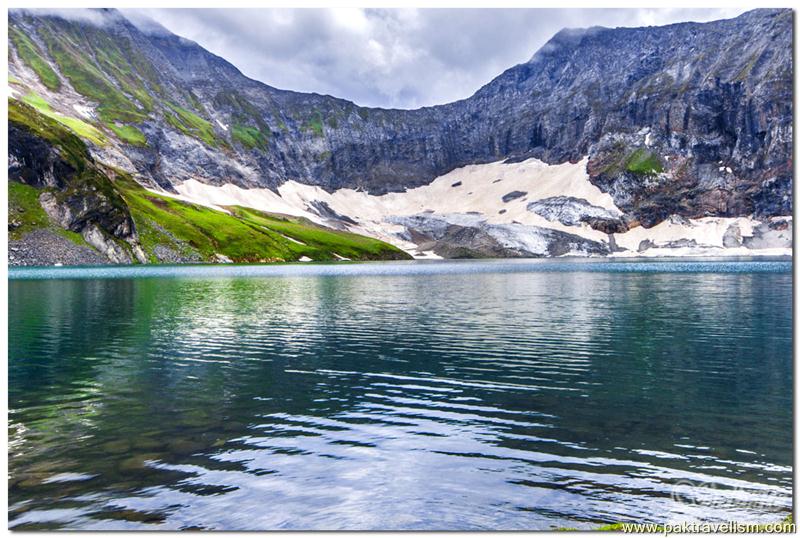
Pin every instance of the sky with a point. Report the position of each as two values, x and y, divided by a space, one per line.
394 58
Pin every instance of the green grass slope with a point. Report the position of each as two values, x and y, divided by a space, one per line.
317 242
128 134
644 162
243 235
191 124
79 127
32 56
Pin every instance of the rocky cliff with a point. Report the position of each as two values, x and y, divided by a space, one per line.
65 207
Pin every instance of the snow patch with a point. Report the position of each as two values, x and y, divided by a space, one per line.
230 194
292 239
480 192
188 198
707 231
687 252
86 112
479 196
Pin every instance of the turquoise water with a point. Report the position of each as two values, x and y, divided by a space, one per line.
441 395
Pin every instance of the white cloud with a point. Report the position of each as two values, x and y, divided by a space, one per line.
352 19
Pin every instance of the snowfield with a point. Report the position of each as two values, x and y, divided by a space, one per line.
513 204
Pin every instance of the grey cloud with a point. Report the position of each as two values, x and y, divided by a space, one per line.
145 23
92 16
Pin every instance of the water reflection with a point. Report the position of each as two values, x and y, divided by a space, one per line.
508 400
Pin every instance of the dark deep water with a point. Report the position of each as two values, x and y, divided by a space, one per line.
475 395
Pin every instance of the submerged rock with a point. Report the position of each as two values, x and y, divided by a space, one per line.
138 463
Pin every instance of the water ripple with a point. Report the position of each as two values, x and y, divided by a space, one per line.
496 395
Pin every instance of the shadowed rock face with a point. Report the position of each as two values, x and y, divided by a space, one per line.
34 161
688 119
569 210
470 236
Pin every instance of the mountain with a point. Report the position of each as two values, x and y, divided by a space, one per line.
687 121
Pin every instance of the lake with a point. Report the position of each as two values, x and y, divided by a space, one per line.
528 394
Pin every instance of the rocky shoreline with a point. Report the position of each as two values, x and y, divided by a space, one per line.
46 247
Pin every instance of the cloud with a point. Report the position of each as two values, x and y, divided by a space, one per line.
402 58
86 15
145 23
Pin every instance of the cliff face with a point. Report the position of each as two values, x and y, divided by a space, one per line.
76 194
688 119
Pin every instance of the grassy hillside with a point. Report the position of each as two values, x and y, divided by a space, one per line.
31 55
107 72
318 242
197 233
243 235
77 126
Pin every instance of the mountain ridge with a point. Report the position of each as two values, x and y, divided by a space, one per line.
689 119
414 124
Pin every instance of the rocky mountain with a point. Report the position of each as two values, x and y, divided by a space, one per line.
687 120
66 207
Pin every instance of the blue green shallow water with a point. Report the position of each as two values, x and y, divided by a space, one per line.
442 395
